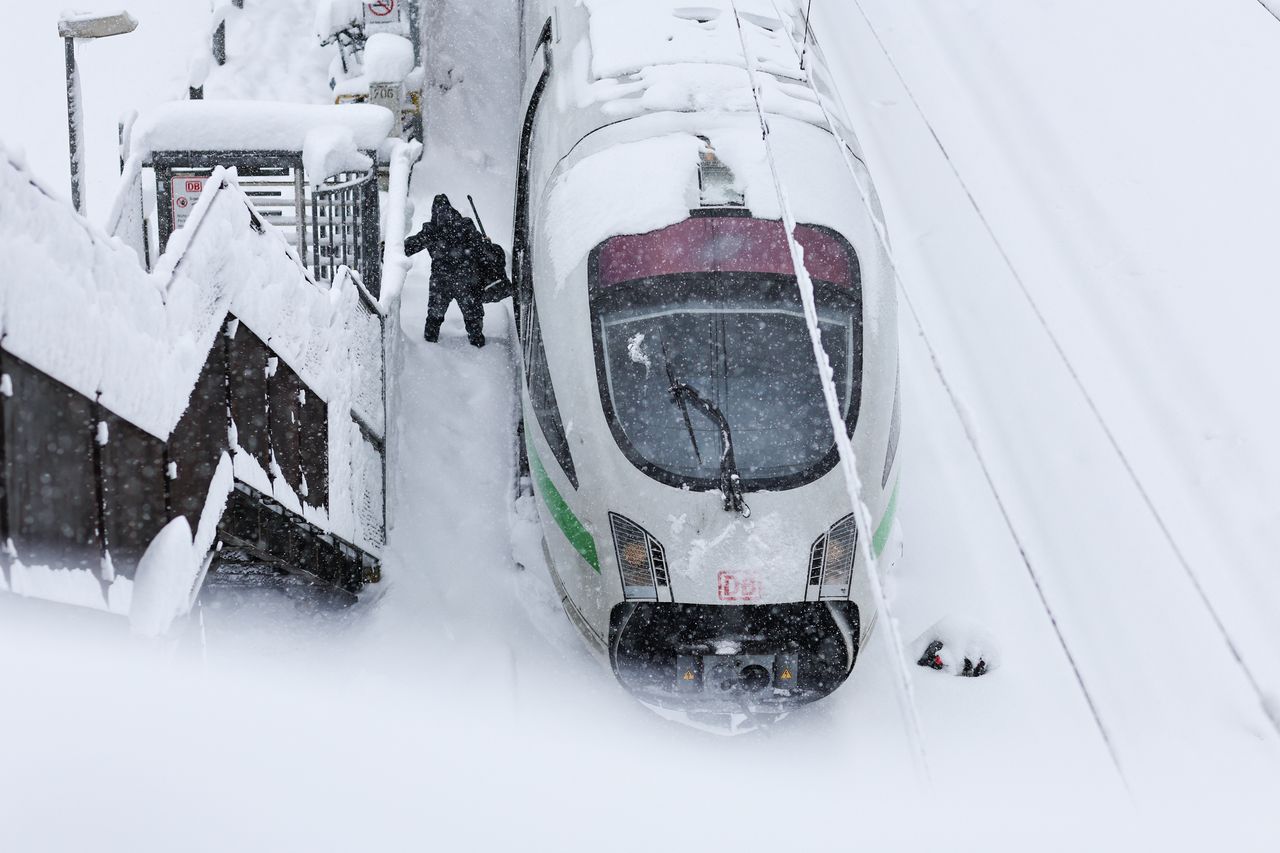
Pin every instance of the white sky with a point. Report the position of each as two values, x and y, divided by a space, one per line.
143 67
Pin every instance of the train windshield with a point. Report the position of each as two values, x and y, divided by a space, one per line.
712 304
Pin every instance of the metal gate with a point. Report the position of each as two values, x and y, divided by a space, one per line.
335 224
342 233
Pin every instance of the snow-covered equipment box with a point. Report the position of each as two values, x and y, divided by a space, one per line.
309 170
379 56
384 73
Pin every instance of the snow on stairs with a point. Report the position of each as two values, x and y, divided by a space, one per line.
226 389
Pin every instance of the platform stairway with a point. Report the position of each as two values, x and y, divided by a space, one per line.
228 393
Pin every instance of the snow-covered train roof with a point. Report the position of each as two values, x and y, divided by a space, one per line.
640 89
652 163
667 55
628 36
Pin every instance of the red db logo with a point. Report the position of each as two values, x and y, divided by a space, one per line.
731 587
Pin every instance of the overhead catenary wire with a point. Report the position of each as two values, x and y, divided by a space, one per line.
1272 7
883 239
848 459
804 48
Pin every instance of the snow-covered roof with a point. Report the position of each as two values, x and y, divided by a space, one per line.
652 162
628 60
253 125
628 36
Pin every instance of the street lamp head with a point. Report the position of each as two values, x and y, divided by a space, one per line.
72 27
85 25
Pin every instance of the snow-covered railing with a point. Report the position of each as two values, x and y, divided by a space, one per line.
127 220
317 331
368 405
343 225
133 401
395 266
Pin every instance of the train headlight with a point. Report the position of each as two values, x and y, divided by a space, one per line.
831 561
641 559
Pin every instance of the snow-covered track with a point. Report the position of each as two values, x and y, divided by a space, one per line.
898 650
1122 456
999 335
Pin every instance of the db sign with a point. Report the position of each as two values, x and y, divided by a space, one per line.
732 586
184 192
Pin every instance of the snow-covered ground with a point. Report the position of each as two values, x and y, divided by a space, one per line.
1079 197
1083 241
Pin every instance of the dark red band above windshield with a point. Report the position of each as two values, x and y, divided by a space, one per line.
722 244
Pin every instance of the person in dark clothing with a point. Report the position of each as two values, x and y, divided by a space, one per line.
457 256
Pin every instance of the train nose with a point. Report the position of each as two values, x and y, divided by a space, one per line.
716 658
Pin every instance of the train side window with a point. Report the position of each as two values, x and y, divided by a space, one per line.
543 397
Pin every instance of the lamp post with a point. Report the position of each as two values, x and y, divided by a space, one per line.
83 26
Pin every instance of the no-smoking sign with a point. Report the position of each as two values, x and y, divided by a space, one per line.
381 8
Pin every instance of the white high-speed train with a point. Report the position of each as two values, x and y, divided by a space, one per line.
696 522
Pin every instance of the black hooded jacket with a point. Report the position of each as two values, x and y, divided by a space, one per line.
453 243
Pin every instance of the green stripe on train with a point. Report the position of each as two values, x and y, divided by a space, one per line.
583 542
881 537
579 537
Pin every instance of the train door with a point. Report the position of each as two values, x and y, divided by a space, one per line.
521 264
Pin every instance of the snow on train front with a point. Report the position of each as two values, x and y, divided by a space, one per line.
696 522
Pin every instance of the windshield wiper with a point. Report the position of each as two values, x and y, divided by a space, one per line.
684 408
730 482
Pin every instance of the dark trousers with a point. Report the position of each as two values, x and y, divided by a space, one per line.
442 293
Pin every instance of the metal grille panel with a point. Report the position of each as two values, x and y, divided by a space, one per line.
659 560
338 224
815 560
